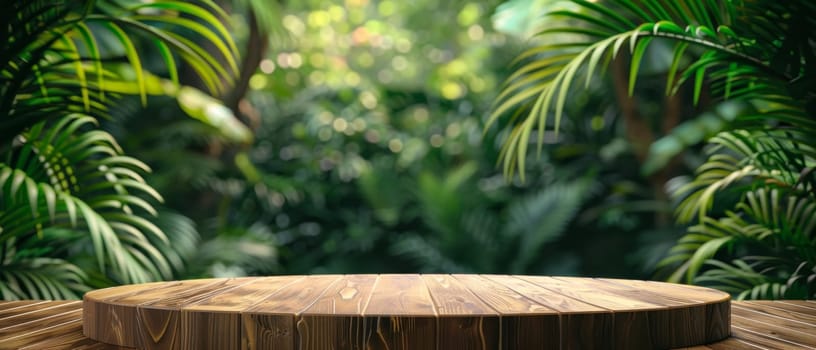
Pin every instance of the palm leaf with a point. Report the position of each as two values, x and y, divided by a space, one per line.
754 193
60 171
65 178
542 84
50 69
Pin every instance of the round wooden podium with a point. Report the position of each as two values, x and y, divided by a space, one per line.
446 312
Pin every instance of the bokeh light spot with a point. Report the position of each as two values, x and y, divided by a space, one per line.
295 60
359 124
475 32
283 60
267 66
337 13
294 25
352 79
372 136
368 100
325 118
437 140
470 14
403 45
257 82
399 63
421 114
340 125
453 130
387 8
318 19
452 90
456 67
395 145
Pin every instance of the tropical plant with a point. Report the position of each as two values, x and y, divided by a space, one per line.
750 66
73 207
357 147
511 240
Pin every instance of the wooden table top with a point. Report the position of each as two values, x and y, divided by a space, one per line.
406 312
784 324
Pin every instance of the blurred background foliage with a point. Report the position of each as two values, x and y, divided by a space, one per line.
370 155
353 138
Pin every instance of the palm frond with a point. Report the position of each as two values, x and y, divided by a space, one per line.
70 175
775 222
42 279
749 158
757 277
60 70
753 197
730 64
57 63
28 274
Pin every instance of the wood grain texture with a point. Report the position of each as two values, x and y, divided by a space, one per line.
271 323
222 312
629 316
57 324
401 313
524 323
40 325
582 325
160 320
765 324
410 311
464 320
335 320
659 328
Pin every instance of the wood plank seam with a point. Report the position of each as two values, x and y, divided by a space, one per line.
487 311
738 307
767 336
52 305
807 304
371 295
749 344
49 317
298 315
46 329
736 342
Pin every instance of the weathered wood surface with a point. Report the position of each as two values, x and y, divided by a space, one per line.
406 312
764 324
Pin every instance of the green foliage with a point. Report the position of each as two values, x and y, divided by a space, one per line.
364 150
509 242
755 68
75 212
770 227
368 139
